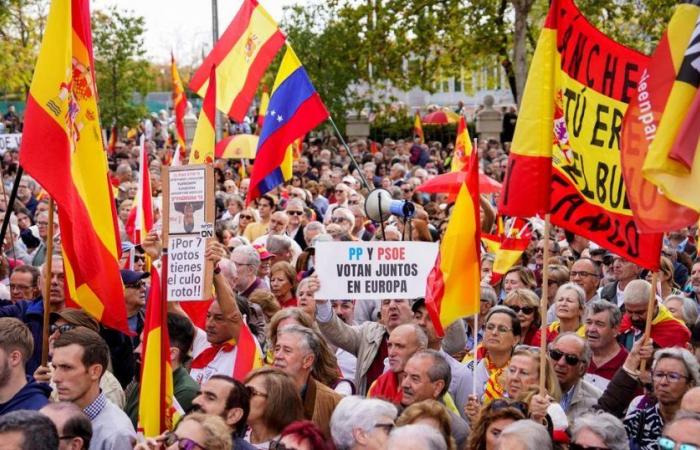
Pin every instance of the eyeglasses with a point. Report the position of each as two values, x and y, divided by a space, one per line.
387 427
256 393
60 328
339 191
353 202
245 216
19 287
582 274
500 404
527 310
672 377
295 213
575 446
138 285
139 258
572 360
499 328
669 444
182 443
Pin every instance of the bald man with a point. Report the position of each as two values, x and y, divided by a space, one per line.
691 400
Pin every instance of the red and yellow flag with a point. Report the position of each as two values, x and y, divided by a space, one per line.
418 129
240 56
204 141
156 402
140 220
179 103
661 129
112 144
249 356
565 157
463 146
62 149
452 291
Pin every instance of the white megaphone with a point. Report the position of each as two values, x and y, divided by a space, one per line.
380 205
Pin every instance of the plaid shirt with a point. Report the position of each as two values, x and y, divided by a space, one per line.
94 408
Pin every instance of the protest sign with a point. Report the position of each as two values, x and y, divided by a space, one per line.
10 142
188 217
373 270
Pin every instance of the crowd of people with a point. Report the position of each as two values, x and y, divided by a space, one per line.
347 374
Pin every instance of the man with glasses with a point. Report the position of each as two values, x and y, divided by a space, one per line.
345 218
342 195
24 283
295 228
673 373
666 330
134 298
570 355
683 432
74 427
586 273
25 193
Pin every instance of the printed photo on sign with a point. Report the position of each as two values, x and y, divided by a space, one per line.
187 196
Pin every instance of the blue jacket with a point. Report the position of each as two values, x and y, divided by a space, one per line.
31 312
32 396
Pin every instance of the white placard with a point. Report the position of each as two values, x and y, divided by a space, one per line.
373 270
187 201
186 268
10 141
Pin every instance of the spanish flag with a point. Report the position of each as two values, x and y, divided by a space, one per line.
418 129
204 141
112 144
453 285
156 402
62 149
140 220
249 356
240 56
463 146
179 103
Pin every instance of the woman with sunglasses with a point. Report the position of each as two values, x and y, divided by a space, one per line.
525 304
492 419
199 431
569 303
598 431
245 217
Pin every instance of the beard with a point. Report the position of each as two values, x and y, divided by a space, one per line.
5 373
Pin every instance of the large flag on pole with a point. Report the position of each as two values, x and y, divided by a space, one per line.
463 147
661 131
452 291
418 129
179 103
565 157
241 56
204 140
140 220
62 149
295 109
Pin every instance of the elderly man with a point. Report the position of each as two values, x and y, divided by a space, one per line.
570 355
296 353
24 283
673 373
586 273
623 273
72 424
25 430
404 341
246 259
345 218
683 432
691 400
602 320
295 227
362 424
428 377
666 330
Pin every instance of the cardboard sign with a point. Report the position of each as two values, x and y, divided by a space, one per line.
10 141
188 217
373 270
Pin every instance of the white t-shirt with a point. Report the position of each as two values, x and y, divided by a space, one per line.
222 363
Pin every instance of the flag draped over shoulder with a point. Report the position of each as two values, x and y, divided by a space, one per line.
179 103
463 146
140 220
295 109
204 141
62 149
661 131
418 129
565 157
452 291
156 405
241 56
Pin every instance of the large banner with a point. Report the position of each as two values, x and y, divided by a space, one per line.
565 157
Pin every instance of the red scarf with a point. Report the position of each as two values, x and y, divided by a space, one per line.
203 359
387 388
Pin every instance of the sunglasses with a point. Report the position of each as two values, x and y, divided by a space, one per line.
60 328
500 404
669 444
245 216
138 285
139 258
575 446
295 213
572 360
527 310
182 443
338 219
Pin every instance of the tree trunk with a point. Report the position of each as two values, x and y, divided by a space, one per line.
522 9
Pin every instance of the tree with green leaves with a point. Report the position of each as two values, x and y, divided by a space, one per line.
120 66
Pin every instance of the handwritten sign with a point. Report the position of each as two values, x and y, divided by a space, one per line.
373 270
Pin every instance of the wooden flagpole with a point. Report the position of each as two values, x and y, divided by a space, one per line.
543 307
47 286
650 316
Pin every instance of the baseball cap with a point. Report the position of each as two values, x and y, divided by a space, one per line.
131 276
262 251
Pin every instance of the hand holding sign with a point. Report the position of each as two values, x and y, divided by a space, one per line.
152 245
215 252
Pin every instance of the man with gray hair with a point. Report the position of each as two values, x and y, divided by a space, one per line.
602 320
591 429
311 230
246 259
524 435
416 437
296 353
570 355
359 422
666 330
428 377
674 372
28 430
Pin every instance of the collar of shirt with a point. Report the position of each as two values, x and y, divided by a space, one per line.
94 408
566 398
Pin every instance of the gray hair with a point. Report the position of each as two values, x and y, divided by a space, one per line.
37 430
250 254
692 367
314 226
578 290
428 437
234 198
489 294
604 425
295 202
346 213
684 415
278 243
586 353
307 338
455 339
439 369
355 412
421 337
637 292
690 311
599 306
531 434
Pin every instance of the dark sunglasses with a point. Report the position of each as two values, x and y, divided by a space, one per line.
139 258
246 217
572 360
295 213
525 309
182 443
60 328
501 403
138 285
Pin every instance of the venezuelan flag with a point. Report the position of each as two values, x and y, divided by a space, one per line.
179 103
463 146
62 149
241 56
295 109
204 140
